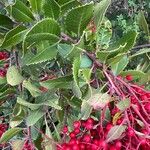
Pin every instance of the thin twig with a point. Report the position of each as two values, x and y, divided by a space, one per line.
141 46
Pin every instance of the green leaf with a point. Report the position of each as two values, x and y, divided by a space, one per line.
75 70
86 62
140 52
86 110
99 11
5 22
127 42
134 73
102 55
9 134
64 49
46 54
49 144
87 74
31 88
78 18
142 22
62 82
20 12
123 104
108 115
27 104
45 30
51 9
2 80
35 116
75 52
67 5
120 66
115 132
13 76
50 101
17 144
36 5
14 36
116 59
15 121
99 100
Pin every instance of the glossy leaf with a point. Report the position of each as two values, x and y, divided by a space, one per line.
75 69
5 22
86 110
20 12
14 36
9 134
17 144
86 62
87 74
64 49
140 52
120 66
49 144
134 73
142 22
99 11
51 9
102 55
115 132
13 76
35 116
66 5
31 88
99 100
62 82
36 5
127 42
123 104
3 80
78 18
47 53
45 30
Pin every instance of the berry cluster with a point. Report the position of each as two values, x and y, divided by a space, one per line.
3 128
28 145
92 134
3 57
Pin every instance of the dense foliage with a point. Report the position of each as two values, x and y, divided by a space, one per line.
74 76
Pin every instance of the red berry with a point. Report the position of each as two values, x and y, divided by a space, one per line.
2 73
102 144
147 107
4 55
87 138
93 132
119 121
76 131
90 120
130 132
129 77
73 141
72 135
109 126
82 146
112 148
77 124
65 129
118 144
144 97
75 147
